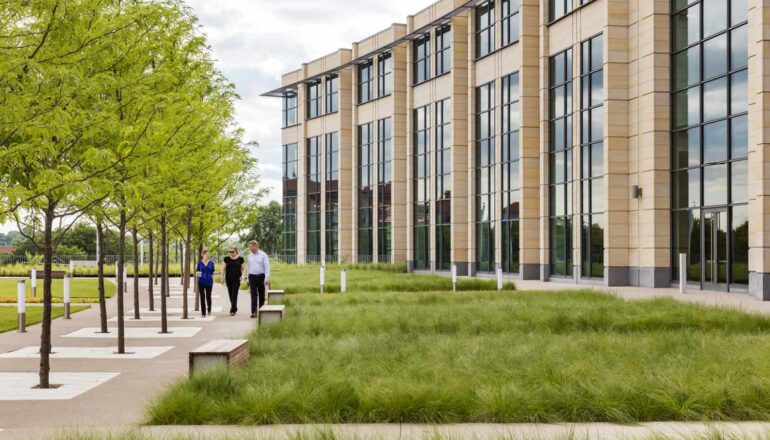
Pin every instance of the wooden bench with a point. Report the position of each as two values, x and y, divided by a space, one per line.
219 352
55 274
268 314
274 295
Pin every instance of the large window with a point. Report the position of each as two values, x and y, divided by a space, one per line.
365 192
511 187
289 110
485 29
384 182
289 252
560 8
365 82
385 74
485 178
332 176
314 99
560 163
443 50
421 162
314 199
709 56
422 59
592 157
510 21
332 93
443 184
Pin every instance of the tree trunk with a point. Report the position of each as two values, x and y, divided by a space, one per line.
181 248
135 236
163 273
157 263
121 284
100 271
186 262
151 272
45 334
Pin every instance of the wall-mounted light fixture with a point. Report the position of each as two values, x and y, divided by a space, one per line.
636 192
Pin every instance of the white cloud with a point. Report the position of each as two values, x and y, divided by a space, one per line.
256 41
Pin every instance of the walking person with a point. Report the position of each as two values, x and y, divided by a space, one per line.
232 273
259 275
205 271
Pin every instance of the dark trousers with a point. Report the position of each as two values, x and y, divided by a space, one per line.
233 286
257 289
205 294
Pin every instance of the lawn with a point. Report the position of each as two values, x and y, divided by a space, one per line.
440 357
9 320
82 290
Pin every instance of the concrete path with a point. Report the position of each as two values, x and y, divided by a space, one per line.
120 402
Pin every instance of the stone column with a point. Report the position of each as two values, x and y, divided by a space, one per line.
529 141
400 186
759 149
650 150
462 146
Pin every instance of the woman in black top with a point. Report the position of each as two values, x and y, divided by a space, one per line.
232 274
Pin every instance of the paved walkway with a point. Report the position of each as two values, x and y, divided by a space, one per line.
121 401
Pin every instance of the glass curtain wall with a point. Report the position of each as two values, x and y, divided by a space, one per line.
560 164
485 177
365 192
421 161
332 158
511 187
314 199
384 183
443 184
710 141
592 157
289 252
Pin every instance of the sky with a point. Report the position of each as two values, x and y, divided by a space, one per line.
256 41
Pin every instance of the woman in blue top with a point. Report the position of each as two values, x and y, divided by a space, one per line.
205 281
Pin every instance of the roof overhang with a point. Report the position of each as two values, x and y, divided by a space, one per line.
291 89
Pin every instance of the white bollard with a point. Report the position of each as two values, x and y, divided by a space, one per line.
72 267
323 277
343 281
33 282
499 278
682 273
21 306
454 277
125 279
67 285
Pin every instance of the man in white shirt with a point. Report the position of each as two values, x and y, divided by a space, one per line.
258 269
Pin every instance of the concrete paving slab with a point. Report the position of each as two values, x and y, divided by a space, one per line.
177 310
136 333
155 318
33 352
21 386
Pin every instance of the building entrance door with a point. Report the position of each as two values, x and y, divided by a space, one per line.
714 242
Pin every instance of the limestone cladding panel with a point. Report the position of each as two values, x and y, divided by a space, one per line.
529 135
460 147
759 145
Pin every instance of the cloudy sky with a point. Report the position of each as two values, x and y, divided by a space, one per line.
255 41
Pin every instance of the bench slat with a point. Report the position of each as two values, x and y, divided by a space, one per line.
221 346
272 308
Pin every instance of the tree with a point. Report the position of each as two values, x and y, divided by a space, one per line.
267 228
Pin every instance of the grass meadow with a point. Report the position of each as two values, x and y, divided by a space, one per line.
377 278
82 290
9 317
328 434
482 356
